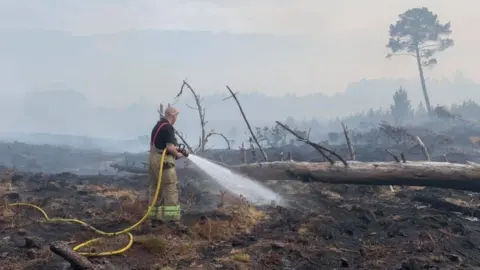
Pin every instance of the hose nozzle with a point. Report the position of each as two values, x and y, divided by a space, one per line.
182 149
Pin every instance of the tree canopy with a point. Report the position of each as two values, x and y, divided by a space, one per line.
419 31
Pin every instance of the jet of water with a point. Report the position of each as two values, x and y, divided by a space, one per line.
238 184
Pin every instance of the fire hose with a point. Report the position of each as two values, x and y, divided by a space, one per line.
103 233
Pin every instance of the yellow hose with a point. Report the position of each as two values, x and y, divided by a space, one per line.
106 234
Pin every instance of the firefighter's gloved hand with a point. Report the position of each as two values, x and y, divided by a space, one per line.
179 155
181 148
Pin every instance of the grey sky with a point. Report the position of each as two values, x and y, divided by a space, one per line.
344 39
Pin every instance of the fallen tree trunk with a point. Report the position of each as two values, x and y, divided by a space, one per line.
431 174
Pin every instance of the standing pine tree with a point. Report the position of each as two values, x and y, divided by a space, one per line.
401 109
418 33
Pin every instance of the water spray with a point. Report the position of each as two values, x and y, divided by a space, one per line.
238 184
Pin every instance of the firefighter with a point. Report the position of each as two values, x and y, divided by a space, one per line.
167 208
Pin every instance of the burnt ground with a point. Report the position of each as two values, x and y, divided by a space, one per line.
327 227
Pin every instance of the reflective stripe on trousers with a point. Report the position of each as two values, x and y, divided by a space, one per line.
167 207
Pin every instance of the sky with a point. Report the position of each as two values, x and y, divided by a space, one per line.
344 40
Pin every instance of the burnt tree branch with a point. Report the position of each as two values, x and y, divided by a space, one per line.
201 114
221 135
234 96
76 260
317 146
349 142
423 147
393 155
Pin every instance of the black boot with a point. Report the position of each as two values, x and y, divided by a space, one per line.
178 227
156 223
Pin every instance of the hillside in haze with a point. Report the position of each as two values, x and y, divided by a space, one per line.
109 85
70 112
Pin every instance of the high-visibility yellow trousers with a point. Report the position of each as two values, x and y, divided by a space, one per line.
167 206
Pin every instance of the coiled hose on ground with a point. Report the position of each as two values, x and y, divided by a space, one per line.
100 232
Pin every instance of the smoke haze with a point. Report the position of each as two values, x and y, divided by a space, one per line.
101 68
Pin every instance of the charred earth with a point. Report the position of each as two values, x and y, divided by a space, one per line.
324 226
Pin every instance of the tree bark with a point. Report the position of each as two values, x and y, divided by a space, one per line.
431 174
422 81
76 260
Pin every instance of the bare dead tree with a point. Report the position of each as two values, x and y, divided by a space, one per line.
252 148
220 157
393 155
160 113
349 142
213 133
274 137
244 153
424 148
317 146
201 113
234 96
397 133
